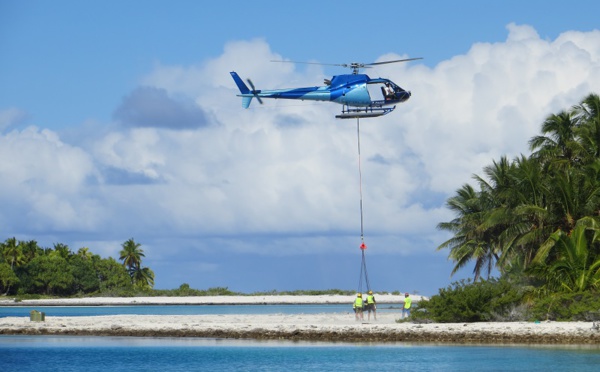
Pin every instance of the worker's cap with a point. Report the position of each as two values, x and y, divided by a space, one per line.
359 295
370 292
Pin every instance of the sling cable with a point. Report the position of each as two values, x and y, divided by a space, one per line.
364 276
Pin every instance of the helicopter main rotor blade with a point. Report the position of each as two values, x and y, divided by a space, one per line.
350 65
394 61
313 63
355 66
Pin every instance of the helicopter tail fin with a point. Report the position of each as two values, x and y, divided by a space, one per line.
246 93
240 83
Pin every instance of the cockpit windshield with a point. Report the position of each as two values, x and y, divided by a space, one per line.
383 90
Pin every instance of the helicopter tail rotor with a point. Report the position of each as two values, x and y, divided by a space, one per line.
246 93
254 91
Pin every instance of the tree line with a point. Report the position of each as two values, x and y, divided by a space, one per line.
27 268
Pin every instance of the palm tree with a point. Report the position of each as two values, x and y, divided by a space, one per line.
12 252
587 114
518 212
84 252
490 229
470 241
131 255
62 250
558 146
143 278
31 250
573 268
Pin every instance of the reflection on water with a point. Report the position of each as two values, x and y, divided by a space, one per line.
124 341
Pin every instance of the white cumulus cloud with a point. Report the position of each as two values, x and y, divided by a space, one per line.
289 169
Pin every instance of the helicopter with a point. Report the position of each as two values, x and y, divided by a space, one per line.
360 95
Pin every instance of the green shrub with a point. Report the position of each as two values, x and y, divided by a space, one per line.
219 291
583 306
185 290
466 301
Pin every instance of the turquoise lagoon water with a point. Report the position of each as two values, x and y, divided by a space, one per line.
89 354
186 309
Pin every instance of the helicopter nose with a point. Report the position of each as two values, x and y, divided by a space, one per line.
403 96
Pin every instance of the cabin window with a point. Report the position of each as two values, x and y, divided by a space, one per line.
381 91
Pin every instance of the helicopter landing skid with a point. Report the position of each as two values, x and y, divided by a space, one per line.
366 112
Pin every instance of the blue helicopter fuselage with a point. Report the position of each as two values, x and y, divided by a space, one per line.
350 90
344 89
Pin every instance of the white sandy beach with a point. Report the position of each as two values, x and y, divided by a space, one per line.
316 327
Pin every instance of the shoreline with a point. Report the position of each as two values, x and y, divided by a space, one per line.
325 327
337 327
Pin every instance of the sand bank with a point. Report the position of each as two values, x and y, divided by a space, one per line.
308 327
312 327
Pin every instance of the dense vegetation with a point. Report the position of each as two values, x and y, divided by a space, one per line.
535 220
29 271
26 268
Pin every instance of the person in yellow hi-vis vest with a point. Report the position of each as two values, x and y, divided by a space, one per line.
407 305
371 306
358 307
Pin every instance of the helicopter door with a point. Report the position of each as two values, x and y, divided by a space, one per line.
378 92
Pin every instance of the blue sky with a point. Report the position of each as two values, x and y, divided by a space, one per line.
119 120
